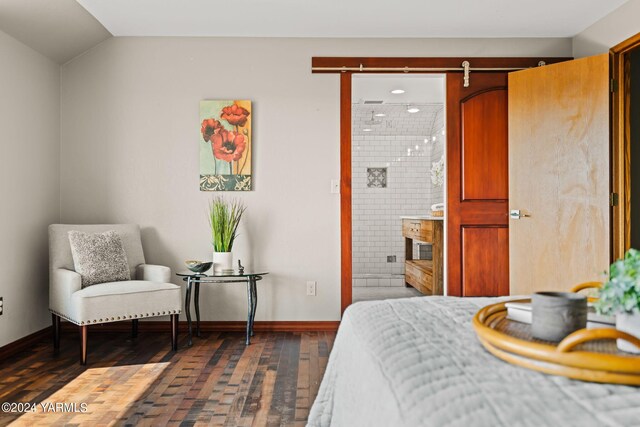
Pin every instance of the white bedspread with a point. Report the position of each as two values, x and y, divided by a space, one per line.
416 361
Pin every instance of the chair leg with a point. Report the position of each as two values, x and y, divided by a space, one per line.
134 328
83 344
56 332
174 332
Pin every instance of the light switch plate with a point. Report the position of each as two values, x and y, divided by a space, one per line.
335 186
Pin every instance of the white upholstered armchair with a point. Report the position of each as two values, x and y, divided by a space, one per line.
148 294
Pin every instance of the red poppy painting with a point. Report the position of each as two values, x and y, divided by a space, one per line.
209 127
225 145
235 115
228 145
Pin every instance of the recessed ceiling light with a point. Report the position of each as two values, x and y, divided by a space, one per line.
366 130
380 115
433 138
412 110
397 91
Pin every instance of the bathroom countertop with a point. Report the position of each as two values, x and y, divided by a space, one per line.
418 217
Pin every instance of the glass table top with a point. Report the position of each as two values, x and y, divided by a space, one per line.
235 273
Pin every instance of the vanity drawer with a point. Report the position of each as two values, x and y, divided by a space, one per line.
418 229
419 274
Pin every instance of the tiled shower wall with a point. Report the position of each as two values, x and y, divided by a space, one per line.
391 144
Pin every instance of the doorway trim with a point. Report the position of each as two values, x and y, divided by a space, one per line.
346 235
620 147
346 67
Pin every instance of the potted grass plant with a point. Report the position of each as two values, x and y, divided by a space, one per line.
620 296
224 218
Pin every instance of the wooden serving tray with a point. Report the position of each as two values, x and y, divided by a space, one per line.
587 354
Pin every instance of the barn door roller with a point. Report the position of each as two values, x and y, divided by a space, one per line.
466 67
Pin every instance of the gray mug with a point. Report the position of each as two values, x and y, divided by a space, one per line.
557 314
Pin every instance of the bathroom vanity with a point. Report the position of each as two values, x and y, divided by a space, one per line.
423 274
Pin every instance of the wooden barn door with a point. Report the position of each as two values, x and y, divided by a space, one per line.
477 185
559 175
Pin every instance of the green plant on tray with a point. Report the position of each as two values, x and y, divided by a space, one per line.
621 293
224 218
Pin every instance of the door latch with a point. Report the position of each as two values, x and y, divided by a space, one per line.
516 214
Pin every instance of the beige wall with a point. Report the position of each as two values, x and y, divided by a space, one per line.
29 184
129 152
614 28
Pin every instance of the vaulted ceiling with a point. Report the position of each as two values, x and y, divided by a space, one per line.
59 29
63 29
350 18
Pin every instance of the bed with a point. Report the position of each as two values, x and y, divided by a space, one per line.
416 361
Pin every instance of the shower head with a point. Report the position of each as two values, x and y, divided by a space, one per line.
373 120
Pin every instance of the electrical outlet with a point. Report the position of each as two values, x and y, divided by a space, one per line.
391 258
311 289
1 305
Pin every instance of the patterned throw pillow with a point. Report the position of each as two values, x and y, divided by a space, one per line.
99 257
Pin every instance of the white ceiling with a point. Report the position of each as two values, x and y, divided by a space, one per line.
63 29
59 29
349 18
419 89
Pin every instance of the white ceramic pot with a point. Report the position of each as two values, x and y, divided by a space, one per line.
629 323
222 262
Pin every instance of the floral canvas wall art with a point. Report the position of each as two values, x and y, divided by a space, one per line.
225 145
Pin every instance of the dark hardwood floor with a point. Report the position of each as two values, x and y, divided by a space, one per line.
218 381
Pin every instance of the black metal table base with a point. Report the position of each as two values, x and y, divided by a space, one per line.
193 283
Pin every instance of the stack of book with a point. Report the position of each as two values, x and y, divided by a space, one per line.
521 312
